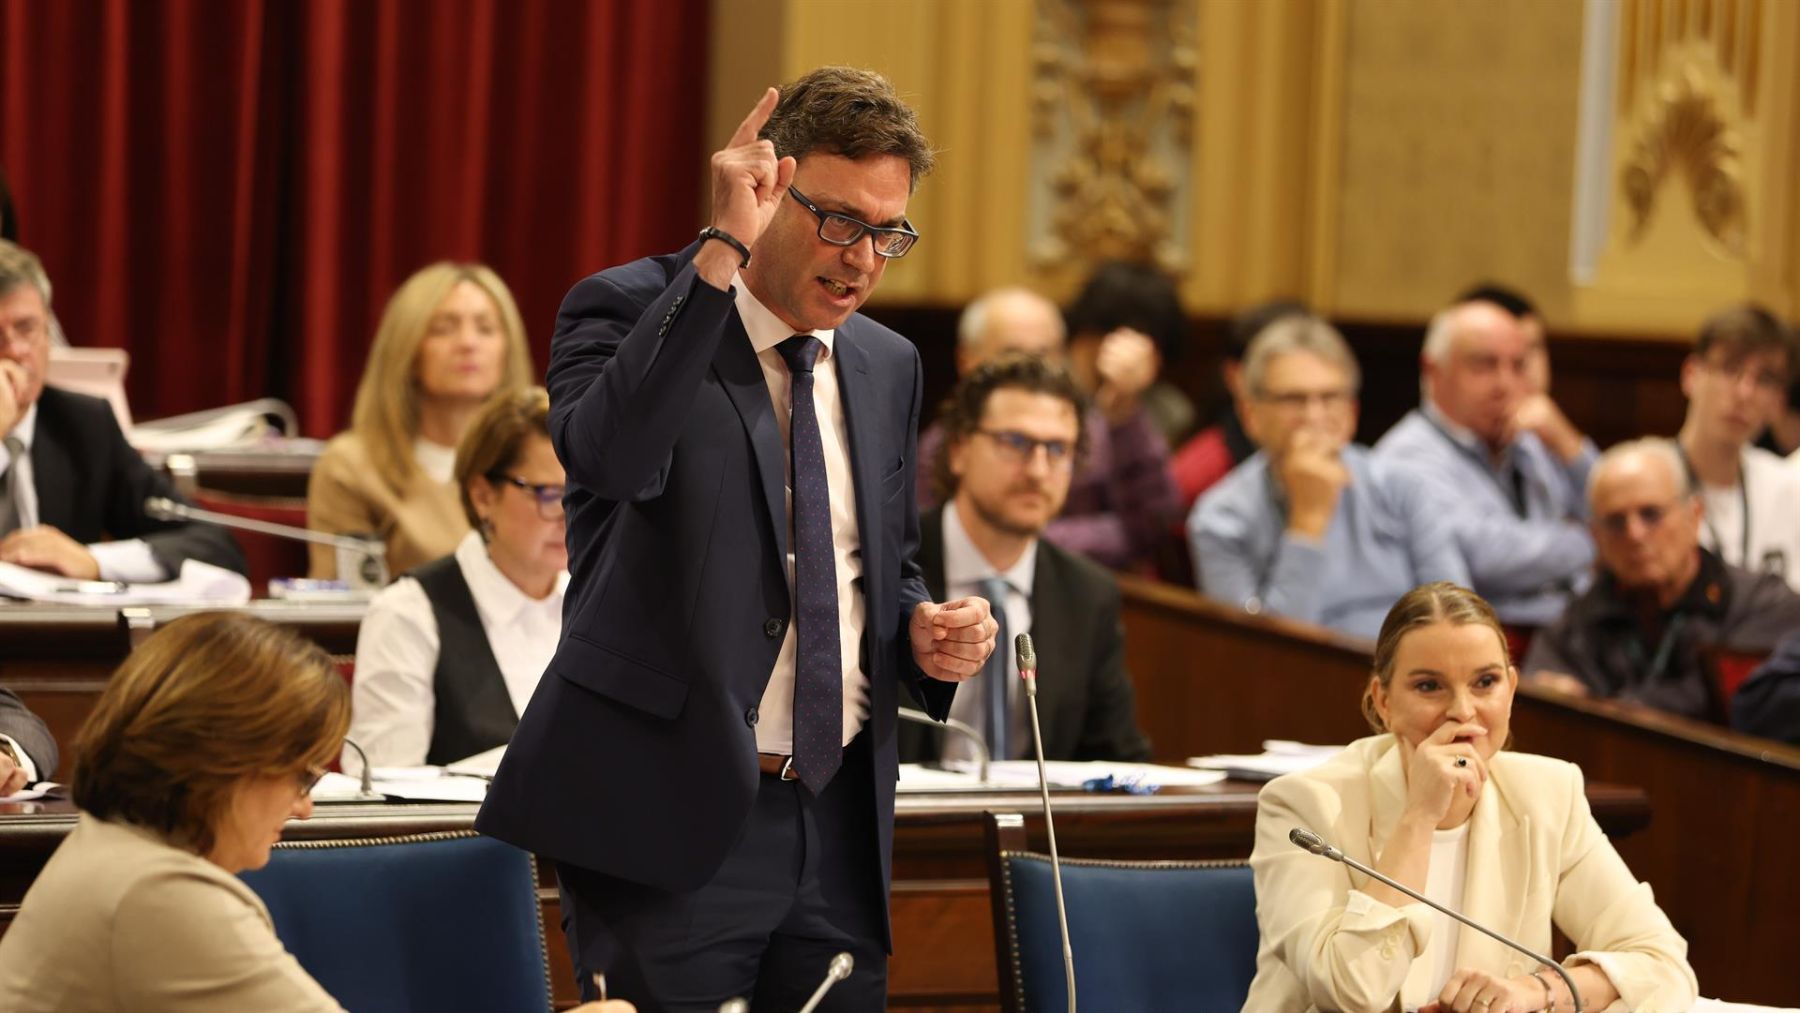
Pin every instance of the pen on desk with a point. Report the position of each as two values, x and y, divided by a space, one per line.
92 587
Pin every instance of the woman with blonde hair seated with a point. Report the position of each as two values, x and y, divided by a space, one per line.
450 338
448 656
1436 801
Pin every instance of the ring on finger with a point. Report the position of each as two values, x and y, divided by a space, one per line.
1463 761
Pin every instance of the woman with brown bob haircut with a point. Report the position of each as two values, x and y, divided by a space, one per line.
448 655
206 740
1436 800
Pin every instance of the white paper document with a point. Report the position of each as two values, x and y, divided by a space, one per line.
963 775
1278 757
198 584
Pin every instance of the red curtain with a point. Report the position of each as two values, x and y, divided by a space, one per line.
230 189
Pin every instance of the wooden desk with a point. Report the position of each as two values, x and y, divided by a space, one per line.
280 470
943 927
59 657
1211 679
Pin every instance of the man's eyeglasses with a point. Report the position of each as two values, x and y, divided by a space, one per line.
843 230
1650 515
1297 401
549 498
1021 449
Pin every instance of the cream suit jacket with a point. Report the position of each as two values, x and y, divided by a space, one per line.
1536 857
120 921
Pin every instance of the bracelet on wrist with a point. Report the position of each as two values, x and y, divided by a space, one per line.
743 252
1549 996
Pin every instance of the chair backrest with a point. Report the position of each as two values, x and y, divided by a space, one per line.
1726 670
1146 936
425 921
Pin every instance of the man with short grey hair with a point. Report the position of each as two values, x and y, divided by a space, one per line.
1501 459
1312 526
1660 599
72 491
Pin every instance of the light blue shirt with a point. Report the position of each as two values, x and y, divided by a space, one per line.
1526 566
1385 539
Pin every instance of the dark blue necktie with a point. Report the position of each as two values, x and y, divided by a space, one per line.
818 661
997 716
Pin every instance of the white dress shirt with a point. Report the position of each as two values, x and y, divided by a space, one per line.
775 723
1767 487
964 570
435 459
393 699
126 560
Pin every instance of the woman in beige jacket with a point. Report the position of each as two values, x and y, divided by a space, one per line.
450 338
1437 803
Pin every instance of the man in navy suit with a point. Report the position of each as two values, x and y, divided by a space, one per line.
710 758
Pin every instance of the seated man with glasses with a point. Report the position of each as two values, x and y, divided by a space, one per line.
1312 527
1736 382
1500 458
1013 428
1660 599
448 655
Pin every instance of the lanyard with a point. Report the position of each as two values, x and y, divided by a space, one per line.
1514 495
1743 485
1663 649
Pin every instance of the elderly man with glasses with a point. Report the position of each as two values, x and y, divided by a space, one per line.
1660 600
1311 526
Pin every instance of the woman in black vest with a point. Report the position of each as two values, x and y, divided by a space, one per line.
448 655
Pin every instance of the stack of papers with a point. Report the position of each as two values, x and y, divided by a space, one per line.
199 584
1279 756
1013 775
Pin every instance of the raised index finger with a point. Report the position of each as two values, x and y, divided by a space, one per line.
753 123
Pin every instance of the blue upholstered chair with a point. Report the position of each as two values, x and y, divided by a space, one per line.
425 921
1148 937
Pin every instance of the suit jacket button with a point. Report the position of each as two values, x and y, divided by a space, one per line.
750 717
772 628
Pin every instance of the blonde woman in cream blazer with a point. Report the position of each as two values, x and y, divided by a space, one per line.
1439 789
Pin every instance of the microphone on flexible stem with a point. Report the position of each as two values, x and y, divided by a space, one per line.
1306 840
361 559
1027 658
366 787
962 728
840 968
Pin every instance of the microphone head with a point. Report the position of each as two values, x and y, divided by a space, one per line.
1307 840
841 966
162 508
1025 653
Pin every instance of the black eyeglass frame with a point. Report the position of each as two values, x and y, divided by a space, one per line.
863 228
548 505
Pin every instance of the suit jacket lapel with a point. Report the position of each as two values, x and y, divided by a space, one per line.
1494 891
52 474
860 400
1052 626
742 377
1498 860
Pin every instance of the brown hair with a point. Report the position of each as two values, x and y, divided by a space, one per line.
1440 602
849 112
495 439
204 702
961 413
1746 329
